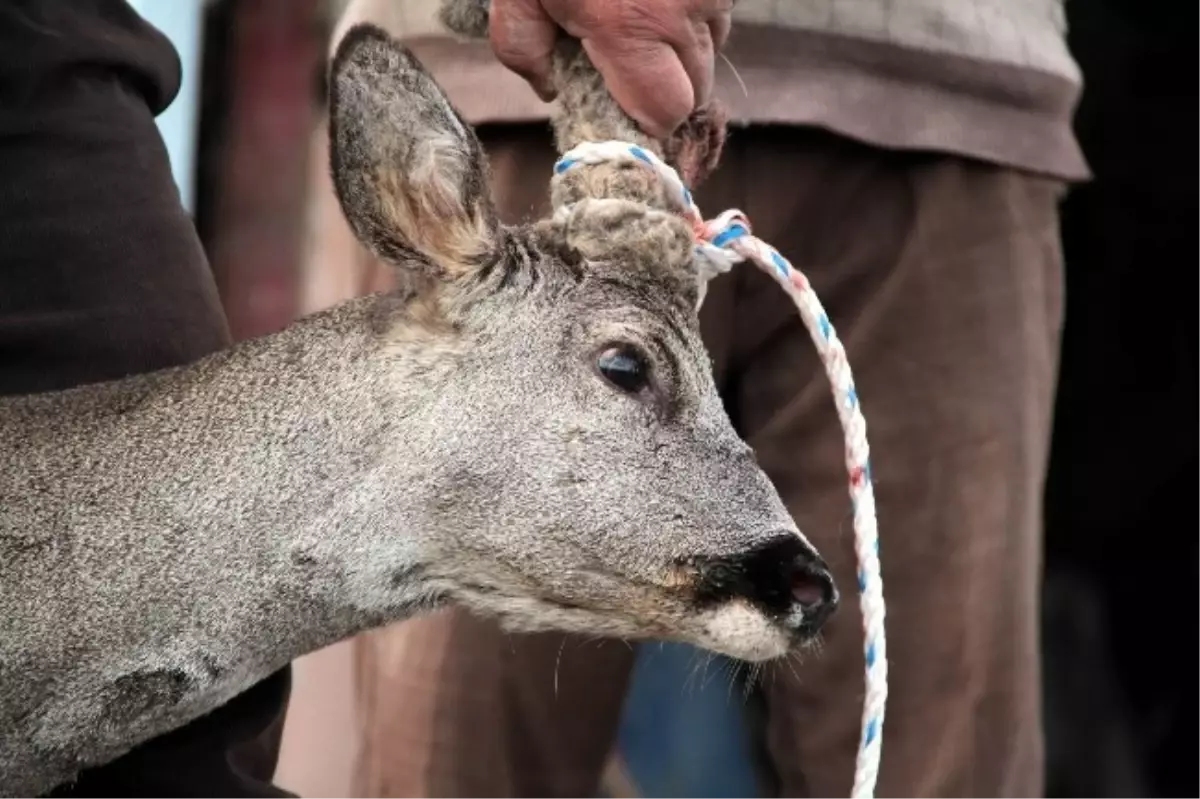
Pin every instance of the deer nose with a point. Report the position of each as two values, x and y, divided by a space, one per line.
783 577
816 595
792 582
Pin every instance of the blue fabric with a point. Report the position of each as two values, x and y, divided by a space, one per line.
685 730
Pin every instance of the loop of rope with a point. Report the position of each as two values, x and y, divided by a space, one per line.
721 243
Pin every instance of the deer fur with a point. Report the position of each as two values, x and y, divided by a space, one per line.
169 539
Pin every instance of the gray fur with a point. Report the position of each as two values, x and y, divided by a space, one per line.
466 17
168 540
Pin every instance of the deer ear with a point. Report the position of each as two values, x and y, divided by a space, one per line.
410 175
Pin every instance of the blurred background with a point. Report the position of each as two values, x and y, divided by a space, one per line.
1121 560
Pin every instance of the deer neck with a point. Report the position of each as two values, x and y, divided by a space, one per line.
212 523
304 451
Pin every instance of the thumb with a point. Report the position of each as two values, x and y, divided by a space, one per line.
647 79
523 37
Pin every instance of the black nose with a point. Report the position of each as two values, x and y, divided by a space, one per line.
784 577
815 593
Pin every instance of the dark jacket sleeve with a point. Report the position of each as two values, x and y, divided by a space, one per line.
101 276
101 271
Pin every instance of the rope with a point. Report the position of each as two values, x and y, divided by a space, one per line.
721 243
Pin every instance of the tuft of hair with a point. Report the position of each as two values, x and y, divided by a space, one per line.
695 147
641 239
466 17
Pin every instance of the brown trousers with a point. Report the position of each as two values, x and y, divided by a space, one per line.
943 278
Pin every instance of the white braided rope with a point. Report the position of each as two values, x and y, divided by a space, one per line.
721 243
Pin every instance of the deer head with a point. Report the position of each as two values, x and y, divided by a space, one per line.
584 475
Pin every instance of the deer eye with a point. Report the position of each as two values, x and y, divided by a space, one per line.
625 368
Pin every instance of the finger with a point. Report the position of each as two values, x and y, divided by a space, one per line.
696 53
647 79
718 30
523 38
688 34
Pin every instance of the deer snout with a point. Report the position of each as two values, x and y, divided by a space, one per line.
815 594
784 578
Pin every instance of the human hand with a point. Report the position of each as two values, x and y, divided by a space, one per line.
656 56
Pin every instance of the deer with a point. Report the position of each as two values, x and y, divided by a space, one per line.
528 428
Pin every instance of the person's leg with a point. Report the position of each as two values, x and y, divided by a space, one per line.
102 276
942 277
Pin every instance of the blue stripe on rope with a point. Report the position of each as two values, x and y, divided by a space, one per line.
872 731
728 235
871 655
852 397
563 165
640 154
826 328
862 580
780 263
